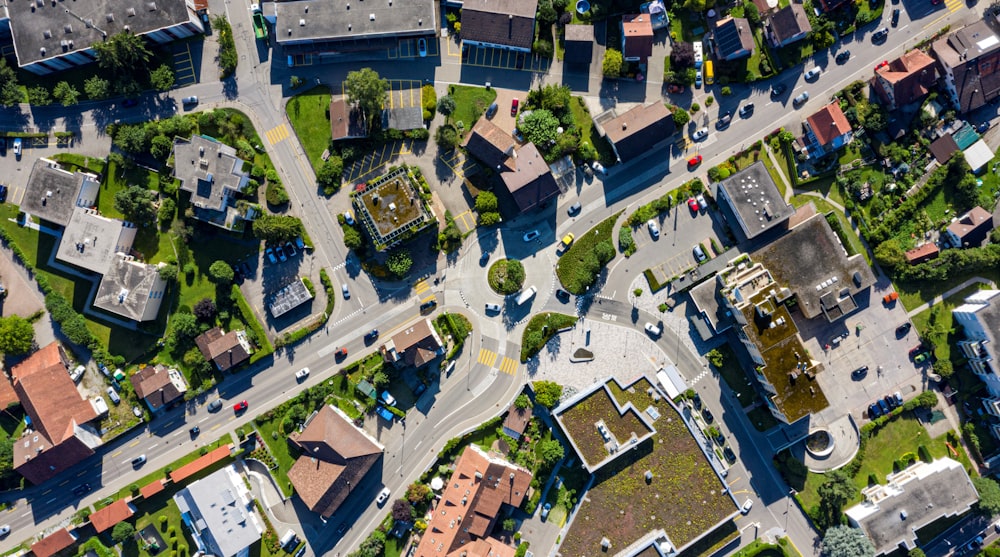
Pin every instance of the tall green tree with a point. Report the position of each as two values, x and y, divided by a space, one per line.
837 490
162 78
539 127
989 495
10 89
368 90
136 203
97 88
17 336
66 94
123 52
612 63
547 393
844 541
122 531
277 228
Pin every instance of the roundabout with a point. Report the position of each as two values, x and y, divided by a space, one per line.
506 276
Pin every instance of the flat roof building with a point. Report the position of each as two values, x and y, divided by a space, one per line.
93 242
504 24
131 289
212 173
291 296
52 193
391 209
219 512
755 200
579 40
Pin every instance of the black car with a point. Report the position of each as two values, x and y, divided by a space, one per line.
891 401
903 329
724 120
428 307
696 399
195 431
859 373
720 439
707 414
3 193
895 17
562 295
874 411
746 110
880 36
81 489
370 336
843 56
491 111
777 89
729 454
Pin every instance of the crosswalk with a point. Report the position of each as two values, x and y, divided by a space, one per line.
421 287
490 359
277 134
953 5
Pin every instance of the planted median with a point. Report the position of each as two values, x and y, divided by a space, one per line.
582 263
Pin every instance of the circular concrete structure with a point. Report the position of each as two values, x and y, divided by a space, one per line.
820 443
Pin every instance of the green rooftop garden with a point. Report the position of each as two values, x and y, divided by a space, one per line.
580 419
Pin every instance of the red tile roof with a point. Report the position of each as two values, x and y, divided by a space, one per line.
923 253
53 543
203 462
105 518
637 32
829 123
151 489
910 77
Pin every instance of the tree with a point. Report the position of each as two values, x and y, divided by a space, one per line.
715 357
132 139
890 255
401 510
447 137
417 493
122 52
547 393
39 96
550 452
605 251
539 127
399 262
184 326
352 238
277 228
97 88
205 309
546 14
989 495
66 94
612 64
168 273
446 105
837 490
330 174
221 272
486 202
681 117
916 552
10 89
122 531
522 402
509 524
162 78
6 456
966 193
751 13
160 147
365 88
682 55
136 203
844 541
17 336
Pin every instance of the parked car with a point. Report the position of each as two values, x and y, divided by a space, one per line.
874 411
891 401
898 397
880 35
240 406
903 329
699 134
746 110
215 405
801 99
422 48
890 298
724 120
843 56
513 107
341 354
694 161
529 236
881 65
812 74
920 358
895 17
3 193
281 254
697 79
982 127
883 406
693 204
598 167
567 240
729 454
138 461
653 330
573 209
290 249
699 254
707 414
859 373
777 89
17 148
562 295
113 395
702 203
654 230
545 510
491 111
747 506
493 308
388 399
674 88
696 400
349 218
384 494
187 101
302 374
270 255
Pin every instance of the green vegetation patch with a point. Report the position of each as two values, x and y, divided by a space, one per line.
580 266
540 329
309 114
506 276
470 104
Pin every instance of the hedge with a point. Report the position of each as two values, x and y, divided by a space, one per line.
331 297
264 347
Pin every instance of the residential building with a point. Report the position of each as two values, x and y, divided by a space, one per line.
516 421
470 505
131 289
657 11
524 173
503 24
50 37
415 346
979 318
321 31
787 25
52 193
911 499
733 38
347 121
49 546
160 387
289 297
59 434
970 63
335 455
105 518
225 350
93 242
218 510
826 131
754 200
906 80
579 43
212 173
830 5
391 209
923 253
637 38
970 229
638 131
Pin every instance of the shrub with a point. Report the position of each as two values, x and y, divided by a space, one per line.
695 107
428 100
710 100
726 91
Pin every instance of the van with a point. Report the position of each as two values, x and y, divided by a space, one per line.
709 73
289 540
113 395
526 295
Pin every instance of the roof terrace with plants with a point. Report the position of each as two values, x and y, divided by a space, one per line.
392 208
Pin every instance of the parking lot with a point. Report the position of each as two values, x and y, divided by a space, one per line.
489 57
371 165
680 230
407 48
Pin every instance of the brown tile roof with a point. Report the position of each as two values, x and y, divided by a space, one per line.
502 22
943 148
491 145
335 456
152 488
633 132
910 77
346 120
829 123
415 345
789 21
476 490
732 35
222 349
531 183
105 518
971 222
923 253
637 34
152 384
7 394
53 543
516 421
192 468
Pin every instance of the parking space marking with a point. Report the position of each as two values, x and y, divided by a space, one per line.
408 48
489 57
466 221
184 73
277 134
508 366
487 357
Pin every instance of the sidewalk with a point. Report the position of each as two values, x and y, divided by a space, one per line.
949 293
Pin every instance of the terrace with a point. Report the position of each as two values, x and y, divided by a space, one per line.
391 207
613 425
682 501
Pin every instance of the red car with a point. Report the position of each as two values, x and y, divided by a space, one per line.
513 107
240 407
694 161
883 64
693 204
675 88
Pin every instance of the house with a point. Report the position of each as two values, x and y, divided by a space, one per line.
51 37
516 421
969 59
391 209
159 386
911 499
579 43
733 38
93 242
637 38
225 350
638 131
414 346
943 148
979 318
478 488
335 455
906 80
826 131
59 434
970 229
923 253
49 546
131 289
524 173
289 297
347 121
105 518
503 24
52 193
787 25
315 31
212 173
754 200
218 510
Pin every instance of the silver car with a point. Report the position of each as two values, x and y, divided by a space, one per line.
654 230
699 134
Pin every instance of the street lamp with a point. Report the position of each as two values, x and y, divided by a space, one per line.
468 373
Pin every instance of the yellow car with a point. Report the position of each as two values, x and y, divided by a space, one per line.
568 239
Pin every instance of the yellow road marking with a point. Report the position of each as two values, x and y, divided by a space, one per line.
508 366
421 286
487 357
428 298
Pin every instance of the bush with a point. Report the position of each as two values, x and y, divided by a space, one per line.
447 137
681 117
542 48
611 66
506 276
276 194
446 105
428 100
710 100
695 107
726 91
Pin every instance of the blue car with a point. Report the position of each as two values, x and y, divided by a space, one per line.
697 78
389 416
874 411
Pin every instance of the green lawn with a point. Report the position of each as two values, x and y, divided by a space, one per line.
540 329
149 512
470 103
12 423
280 449
778 177
937 324
588 132
309 113
912 294
571 269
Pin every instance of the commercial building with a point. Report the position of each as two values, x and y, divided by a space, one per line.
503 24
391 209
52 192
218 511
754 201
93 242
970 61
289 297
979 318
212 173
131 289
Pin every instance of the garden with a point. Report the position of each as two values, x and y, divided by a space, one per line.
462 107
506 276
581 265
549 108
540 329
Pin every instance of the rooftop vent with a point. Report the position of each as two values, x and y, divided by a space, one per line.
302 23
122 295
307 9
371 17
42 51
67 29
151 6
130 12
110 17
47 34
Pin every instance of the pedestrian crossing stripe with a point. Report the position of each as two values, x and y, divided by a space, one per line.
953 5
487 357
277 134
508 366
421 286
428 298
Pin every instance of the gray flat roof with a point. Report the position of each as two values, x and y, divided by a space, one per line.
91 241
52 192
44 29
337 20
206 168
755 199
289 297
221 512
131 289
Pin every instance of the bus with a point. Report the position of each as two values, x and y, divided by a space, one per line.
709 73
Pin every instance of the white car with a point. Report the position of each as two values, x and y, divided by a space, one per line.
114 395
383 496
701 202
17 147
349 218
812 74
529 236
654 230
598 167
302 373
190 100
699 254
347 293
493 308
746 506
699 134
653 330
4 530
